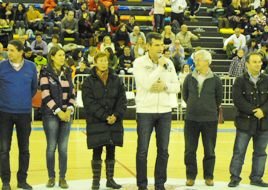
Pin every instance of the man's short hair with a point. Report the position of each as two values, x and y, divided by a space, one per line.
251 54
18 44
98 55
153 35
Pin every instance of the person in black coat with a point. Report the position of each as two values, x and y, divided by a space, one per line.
250 97
104 100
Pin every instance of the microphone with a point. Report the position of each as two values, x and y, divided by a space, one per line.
165 65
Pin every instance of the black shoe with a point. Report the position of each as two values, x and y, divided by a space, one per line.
6 186
142 188
25 186
63 183
233 183
51 182
259 183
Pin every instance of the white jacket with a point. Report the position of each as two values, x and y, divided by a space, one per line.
146 73
178 6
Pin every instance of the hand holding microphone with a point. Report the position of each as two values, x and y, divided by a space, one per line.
162 61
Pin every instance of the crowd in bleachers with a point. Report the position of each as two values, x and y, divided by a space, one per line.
99 24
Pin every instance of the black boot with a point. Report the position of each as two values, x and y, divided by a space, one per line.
96 170
110 174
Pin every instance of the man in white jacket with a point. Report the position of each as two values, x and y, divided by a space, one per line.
177 10
156 81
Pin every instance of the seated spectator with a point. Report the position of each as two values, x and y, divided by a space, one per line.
77 55
121 39
113 19
238 64
135 34
168 36
82 10
252 30
89 55
19 17
65 4
69 27
264 53
177 54
40 60
185 37
107 42
49 5
24 41
185 70
252 46
82 68
85 29
9 14
261 18
34 19
108 3
235 15
220 13
131 23
39 45
234 42
54 20
190 60
112 59
126 62
55 41
139 48
264 36
28 54
3 53
177 64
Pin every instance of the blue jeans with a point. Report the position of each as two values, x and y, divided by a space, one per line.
57 134
23 128
192 131
146 122
260 140
159 21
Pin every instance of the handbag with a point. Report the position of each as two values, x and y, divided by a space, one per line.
37 99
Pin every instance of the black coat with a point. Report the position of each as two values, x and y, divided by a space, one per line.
101 101
247 96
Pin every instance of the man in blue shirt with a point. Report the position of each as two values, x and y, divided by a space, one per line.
18 83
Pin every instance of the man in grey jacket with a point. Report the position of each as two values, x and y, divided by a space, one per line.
202 92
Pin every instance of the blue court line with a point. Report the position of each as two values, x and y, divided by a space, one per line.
134 129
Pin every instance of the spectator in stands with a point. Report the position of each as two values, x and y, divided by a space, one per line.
168 36
49 5
83 9
177 10
252 30
260 18
202 92
177 54
250 121
85 29
34 19
234 42
57 108
82 68
108 3
139 48
185 70
126 62
264 36
28 54
69 27
194 6
159 14
65 4
18 86
19 17
3 53
39 45
220 13
107 42
131 23
238 64
105 104
234 14
113 19
24 41
55 41
77 4
252 46
54 20
9 14
263 51
153 107
121 39
135 34
177 64
40 61
92 7
77 55
89 55
112 59
185 37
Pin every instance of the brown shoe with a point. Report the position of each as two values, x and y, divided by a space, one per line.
189 182
51 182
63 183
209 182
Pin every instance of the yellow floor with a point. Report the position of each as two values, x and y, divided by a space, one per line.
80 156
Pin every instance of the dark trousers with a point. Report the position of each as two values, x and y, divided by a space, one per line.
159 21
177 16
192 131
57 135
23 128
110 152
260 140
161 122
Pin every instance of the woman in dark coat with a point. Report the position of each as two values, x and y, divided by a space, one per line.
104 100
